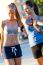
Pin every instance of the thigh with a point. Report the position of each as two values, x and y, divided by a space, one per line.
18 61
37 52
9 61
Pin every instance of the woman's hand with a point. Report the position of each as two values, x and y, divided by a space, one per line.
37 27
24 33
40 23
1 51
41 32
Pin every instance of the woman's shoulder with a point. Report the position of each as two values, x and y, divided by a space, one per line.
3 23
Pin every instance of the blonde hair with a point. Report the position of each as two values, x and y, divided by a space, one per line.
13 6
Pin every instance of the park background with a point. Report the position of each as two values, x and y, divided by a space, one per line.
27 58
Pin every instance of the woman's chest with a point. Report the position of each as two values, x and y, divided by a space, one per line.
11 29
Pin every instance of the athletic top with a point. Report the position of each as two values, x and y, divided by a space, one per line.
34 36
10 32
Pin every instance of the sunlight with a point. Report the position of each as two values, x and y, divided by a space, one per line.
3 9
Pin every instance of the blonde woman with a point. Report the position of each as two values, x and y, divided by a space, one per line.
9 40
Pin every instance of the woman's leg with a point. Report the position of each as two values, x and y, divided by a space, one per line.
37 53
9 61
18 61
39 61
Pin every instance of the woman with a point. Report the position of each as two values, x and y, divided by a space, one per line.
9 40
35 34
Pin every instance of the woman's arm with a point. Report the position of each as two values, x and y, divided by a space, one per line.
40 23
22 28
2 38
2 34
30 24
36 26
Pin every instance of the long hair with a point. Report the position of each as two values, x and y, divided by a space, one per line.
29 3
33 5
18 16
13 6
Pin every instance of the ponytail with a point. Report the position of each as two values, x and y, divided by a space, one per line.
35 7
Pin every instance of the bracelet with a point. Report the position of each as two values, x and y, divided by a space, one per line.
22 28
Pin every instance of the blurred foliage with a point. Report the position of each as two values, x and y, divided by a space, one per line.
40 6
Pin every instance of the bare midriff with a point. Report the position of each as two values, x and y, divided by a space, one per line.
10 40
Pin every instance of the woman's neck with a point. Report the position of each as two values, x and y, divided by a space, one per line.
12 19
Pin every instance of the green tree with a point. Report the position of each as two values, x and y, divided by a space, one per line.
40 6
